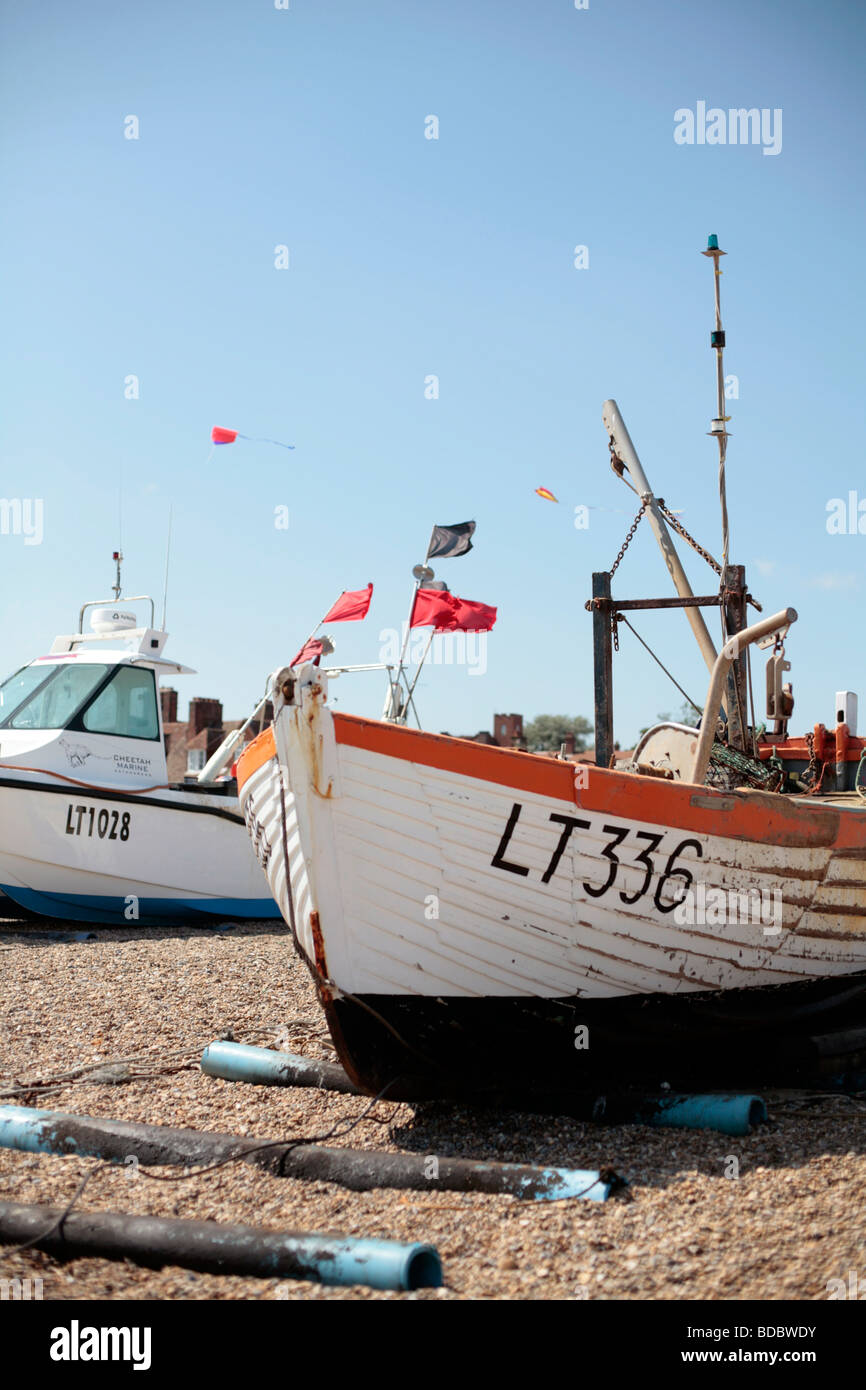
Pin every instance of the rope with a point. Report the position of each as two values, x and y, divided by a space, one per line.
94 786
621 618
723 500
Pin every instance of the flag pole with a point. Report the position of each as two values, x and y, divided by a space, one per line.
395 715
322 619
418 672
313 633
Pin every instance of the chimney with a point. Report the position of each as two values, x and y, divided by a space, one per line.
508 730
214 739
168 702
568 743
204 714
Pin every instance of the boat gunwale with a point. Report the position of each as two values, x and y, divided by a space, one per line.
740 814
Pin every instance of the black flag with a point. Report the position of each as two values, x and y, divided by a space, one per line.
448 541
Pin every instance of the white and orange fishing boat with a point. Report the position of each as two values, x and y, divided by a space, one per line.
487 922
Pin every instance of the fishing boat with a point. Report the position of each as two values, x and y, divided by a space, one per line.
90 828
489 923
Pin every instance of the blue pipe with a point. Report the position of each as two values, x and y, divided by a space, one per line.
264 1067
220 1249
554 1184
380 1264
731 1114
25 1129
52 1131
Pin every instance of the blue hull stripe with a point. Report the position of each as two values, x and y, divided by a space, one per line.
86 907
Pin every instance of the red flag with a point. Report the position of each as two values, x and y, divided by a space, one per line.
473 617
221 436
310 651
433 606
448 613
351 606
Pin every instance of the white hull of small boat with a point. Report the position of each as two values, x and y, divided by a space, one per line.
119 859
90 828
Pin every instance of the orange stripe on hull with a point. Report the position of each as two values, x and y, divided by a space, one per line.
743 815
259 752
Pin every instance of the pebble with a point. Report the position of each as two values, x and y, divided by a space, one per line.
794 1219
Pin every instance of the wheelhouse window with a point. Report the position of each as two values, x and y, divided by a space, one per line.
19 687
48 697
126 707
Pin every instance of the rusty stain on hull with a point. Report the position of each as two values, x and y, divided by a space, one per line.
318 945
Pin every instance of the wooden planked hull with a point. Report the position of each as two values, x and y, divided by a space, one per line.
443 889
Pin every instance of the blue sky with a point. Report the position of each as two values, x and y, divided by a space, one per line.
409 257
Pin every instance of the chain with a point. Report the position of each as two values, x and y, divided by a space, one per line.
627 542
678 526
812 767
811 775
614 623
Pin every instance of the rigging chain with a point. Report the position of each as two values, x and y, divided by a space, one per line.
627 542
678 526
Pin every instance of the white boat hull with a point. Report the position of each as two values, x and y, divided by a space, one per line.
119 859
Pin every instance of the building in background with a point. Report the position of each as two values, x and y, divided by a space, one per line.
507 732
188 745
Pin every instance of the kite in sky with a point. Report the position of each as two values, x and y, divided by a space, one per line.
220 436
588 507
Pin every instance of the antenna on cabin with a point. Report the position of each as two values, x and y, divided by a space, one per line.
718 426
167 557
117 557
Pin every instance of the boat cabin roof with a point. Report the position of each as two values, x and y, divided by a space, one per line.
139 646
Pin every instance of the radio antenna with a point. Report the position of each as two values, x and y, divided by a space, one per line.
167 558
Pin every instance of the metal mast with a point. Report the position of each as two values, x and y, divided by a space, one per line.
718 426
